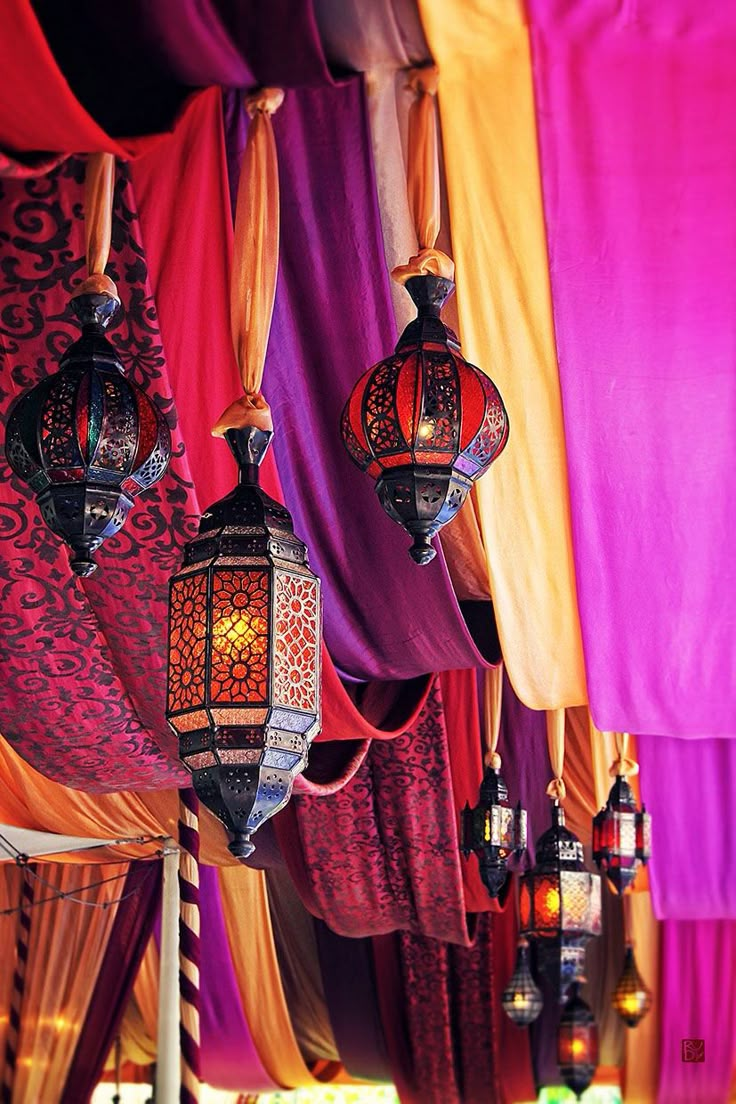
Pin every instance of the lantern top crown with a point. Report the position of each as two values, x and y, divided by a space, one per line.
558 847
94 309
493 789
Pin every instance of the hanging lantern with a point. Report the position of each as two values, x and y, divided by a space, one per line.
577 1042
621 836
245 630
424 423
87 440
494 830
560 903
631 998
522 1000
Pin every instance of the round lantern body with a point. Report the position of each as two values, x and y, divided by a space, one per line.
424 423
621 836
577 1043
522 1001
245 633
560 903
87 440
631 998
494 830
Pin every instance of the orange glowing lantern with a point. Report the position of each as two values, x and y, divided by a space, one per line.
577 1042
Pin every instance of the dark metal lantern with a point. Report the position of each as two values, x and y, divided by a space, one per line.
424 423
621 836
560 903
521 999
631 998
87 440
577 1042
494 830
245 632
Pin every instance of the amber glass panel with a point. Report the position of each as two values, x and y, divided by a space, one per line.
187 632
239 665
547 903
296 642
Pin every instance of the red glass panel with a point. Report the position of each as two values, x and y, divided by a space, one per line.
187 632
546 903
297 642
147 429
240 615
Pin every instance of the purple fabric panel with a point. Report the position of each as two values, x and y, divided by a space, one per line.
128 939
638 154
385 618
690 798
525 761
350 988
229 1057
699 1002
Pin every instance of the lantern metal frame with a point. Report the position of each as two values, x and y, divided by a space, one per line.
245 630
522 1000
494 830
408 422
87 440
560 903
577 1042
622 836
631 998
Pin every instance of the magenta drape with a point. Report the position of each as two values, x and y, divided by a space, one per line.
699 1003
638 155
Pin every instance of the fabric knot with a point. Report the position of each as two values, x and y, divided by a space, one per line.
423 79
250 410
265 100
556 789
427 262
624 766
492 759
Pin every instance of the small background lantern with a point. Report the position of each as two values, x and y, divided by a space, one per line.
621 832
577 1042
522 1000
245 631
631 997
87 440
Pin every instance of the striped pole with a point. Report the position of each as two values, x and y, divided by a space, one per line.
19 984
189 945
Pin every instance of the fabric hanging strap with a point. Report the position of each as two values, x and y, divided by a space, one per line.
492 715
19 983
423 179
189 946
99 187
623 764
255 262
556 747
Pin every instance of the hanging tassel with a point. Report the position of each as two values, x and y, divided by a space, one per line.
189 945
423 179
99 187
255 262
19 984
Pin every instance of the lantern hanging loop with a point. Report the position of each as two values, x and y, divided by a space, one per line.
623 766
423 179
492 699
556 747
255 262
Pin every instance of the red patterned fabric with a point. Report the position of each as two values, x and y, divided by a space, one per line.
90 655
382 853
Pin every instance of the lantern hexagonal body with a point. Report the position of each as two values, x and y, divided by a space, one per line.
87 440
494 830
560 903
424 423
631 998
521 999
621 836
245 632
577 1043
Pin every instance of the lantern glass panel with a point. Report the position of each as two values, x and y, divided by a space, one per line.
547 904
187 645
240 618
577 1045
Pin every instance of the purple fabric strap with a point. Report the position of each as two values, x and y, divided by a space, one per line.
131 931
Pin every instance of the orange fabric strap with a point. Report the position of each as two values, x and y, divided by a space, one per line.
423 179
556 747
99 187
492 714
255 262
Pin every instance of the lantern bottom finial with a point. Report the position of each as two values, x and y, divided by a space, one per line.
422 551
81 560
241 847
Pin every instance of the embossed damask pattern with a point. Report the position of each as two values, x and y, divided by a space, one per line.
382 853
83 665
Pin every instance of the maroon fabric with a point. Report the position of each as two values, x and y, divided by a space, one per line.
382 854
131 931
90 655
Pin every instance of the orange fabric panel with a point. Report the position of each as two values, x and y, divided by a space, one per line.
641 1071
504 309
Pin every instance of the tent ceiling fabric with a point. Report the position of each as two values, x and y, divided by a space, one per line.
588 175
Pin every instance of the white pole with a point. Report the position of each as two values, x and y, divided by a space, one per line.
168 1064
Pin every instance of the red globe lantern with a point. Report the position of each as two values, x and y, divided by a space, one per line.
424 423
